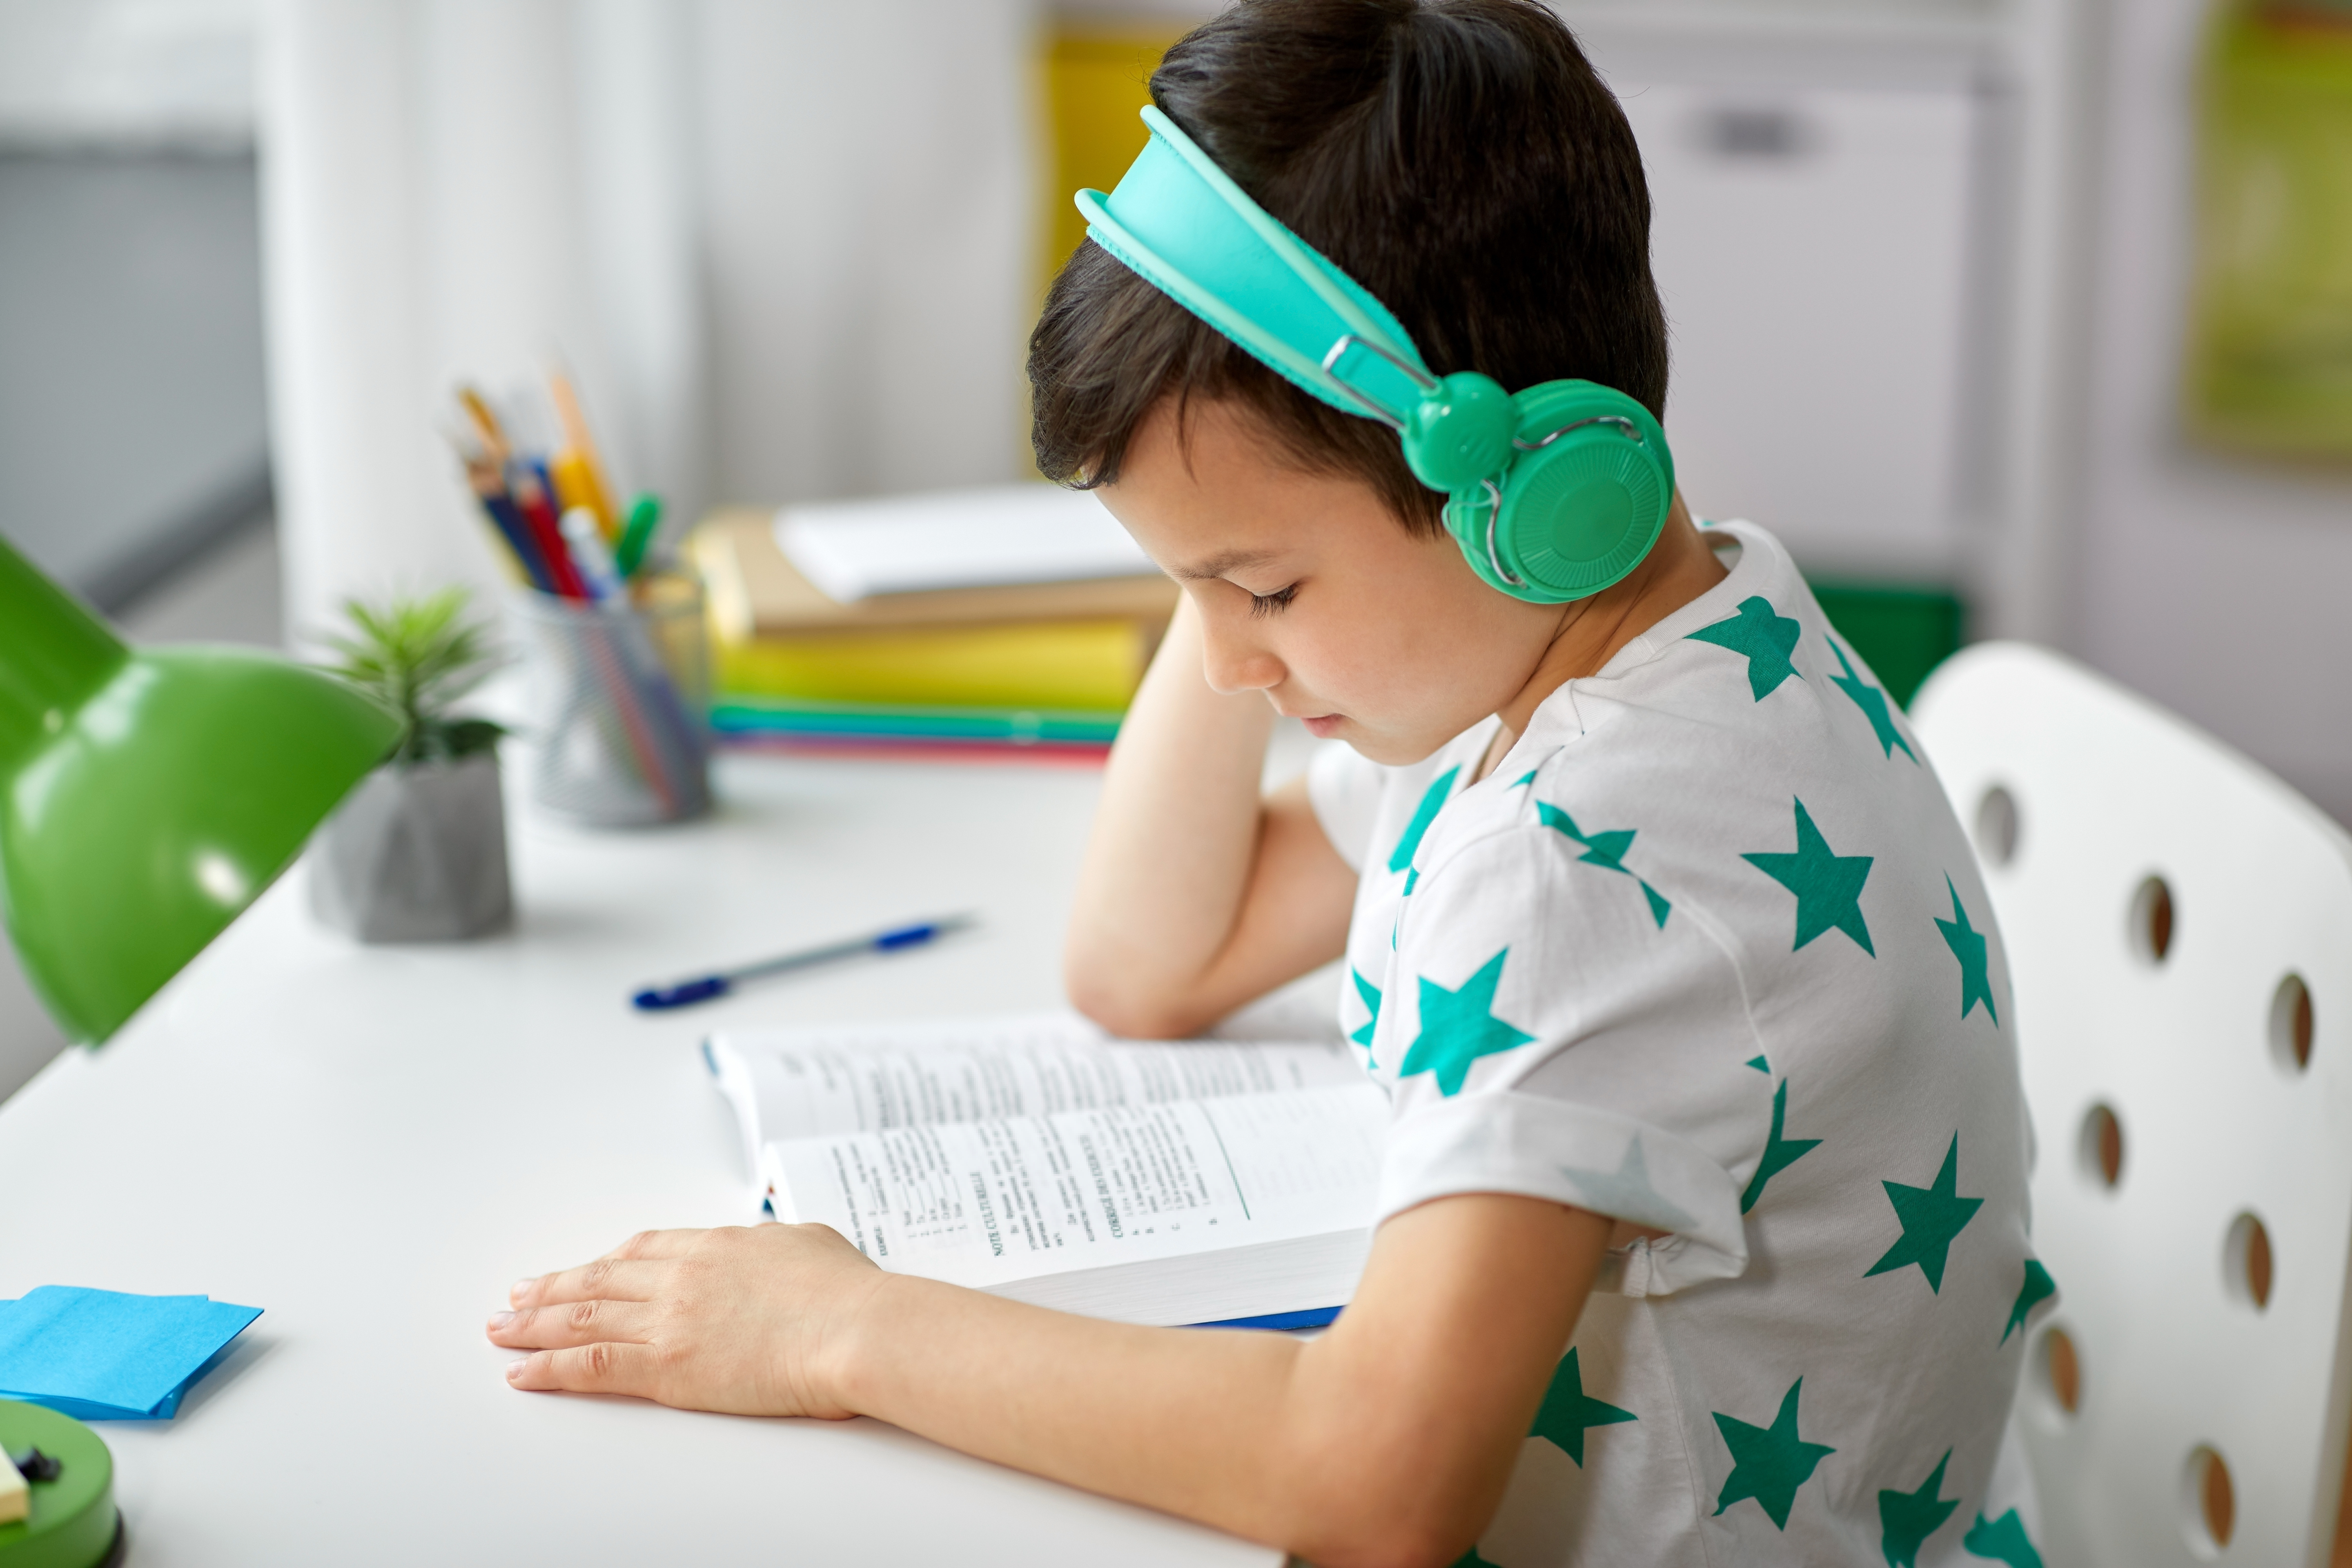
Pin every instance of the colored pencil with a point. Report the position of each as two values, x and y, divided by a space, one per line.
588 477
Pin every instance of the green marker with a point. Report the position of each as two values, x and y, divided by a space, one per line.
645 516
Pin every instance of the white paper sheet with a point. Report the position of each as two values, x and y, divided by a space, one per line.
957 539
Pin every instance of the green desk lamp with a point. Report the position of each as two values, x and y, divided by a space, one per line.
147 796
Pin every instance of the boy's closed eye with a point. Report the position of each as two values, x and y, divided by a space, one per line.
1267 603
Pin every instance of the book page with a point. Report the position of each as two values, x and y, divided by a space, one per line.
988 1203
871 1078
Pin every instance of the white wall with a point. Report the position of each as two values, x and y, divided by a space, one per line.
1811 228
130 379
111 72
131 404
2216 587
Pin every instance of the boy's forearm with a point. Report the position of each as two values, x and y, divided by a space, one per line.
1384 1443
1174 837
1177 1420
1387 1441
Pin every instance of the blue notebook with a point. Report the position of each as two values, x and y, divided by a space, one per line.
102 1355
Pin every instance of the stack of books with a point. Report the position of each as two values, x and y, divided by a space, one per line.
985 624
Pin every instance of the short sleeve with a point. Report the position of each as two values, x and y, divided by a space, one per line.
1561 1029
1345 789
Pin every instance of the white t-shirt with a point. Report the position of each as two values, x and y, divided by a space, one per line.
1708 952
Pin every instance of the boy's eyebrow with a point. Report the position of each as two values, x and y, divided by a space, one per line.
1219 564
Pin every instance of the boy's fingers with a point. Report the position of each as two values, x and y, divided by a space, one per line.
566 1324
602 1368
656 1244
607 1279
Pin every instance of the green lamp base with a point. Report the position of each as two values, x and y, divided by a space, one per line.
74 1524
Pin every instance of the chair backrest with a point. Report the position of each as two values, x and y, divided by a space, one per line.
2178 926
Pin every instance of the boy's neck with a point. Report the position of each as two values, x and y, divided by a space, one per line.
1678 569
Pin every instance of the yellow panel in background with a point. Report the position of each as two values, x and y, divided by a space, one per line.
2269 335
1095 80
1049 664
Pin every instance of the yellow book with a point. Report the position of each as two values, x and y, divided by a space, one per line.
1096 76
1092 664
756 592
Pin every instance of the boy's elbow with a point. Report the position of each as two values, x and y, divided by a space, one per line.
1132 1015
1127 1006
1362 1543
1353 1510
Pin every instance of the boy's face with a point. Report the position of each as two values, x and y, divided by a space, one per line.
1310 590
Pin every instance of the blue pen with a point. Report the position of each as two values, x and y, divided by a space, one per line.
685 993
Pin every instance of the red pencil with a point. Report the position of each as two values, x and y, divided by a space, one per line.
539 513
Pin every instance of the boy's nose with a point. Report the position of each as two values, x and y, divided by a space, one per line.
1234 664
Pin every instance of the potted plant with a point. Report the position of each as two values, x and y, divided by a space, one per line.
418 852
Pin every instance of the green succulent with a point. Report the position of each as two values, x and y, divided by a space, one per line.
420 656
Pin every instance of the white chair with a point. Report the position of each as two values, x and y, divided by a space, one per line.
2178 926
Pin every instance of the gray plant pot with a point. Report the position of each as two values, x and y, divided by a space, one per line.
416 853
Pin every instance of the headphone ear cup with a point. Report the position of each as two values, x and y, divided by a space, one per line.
1579 510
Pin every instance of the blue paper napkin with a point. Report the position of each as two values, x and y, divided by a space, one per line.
101 1355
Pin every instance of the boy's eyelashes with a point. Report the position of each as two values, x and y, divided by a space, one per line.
1266 604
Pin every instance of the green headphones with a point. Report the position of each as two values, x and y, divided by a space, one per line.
1553 493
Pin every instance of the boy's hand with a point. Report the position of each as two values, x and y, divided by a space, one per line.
735 1321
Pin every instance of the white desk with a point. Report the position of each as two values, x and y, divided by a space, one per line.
371 1142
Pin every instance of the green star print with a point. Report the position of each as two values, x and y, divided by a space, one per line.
1606 850
1769 1463
1370 994
1906 1520
1433 800
1931 1217
1765 637
2003 1540
1458 1028
1968 945
1567 1411
1872 703
1779 1152
2038 1288
1828 886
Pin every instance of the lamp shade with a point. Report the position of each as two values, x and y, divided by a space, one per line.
148 797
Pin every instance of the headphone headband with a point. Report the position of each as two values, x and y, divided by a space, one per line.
1181 221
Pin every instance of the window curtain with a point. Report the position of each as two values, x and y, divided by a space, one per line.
783 247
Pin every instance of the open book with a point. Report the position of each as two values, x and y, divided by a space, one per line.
1185 1182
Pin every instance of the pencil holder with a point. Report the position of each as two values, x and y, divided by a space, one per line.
620 697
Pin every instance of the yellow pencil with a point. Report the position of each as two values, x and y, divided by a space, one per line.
579 476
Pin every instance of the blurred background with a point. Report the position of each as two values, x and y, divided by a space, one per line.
2013 317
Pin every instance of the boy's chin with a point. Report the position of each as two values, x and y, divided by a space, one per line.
1387 747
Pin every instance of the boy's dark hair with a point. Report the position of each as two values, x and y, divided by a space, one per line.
1459 158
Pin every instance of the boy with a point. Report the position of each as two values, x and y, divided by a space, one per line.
1702 1226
